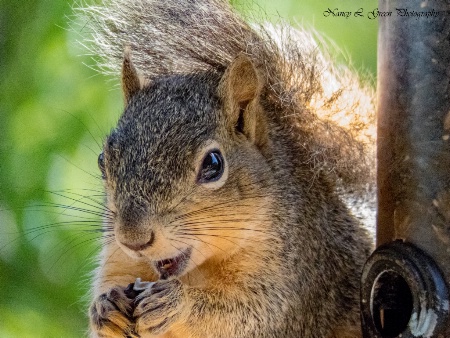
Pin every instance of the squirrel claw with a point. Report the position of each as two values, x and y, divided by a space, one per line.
158 307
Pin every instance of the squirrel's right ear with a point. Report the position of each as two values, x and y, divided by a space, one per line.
132 81
240 88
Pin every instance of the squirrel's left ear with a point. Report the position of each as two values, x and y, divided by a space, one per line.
132 81
240 88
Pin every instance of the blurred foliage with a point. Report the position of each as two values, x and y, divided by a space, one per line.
54 114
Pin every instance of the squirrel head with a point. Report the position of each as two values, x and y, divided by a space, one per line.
186 170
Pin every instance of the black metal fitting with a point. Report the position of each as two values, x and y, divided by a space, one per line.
403 294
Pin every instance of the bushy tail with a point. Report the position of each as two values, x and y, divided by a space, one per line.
328 108
168 36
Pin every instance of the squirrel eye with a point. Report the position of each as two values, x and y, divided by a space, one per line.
101 165
212 167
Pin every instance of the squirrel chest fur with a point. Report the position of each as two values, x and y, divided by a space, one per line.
223 184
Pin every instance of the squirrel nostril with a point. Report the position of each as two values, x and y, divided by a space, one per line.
138 246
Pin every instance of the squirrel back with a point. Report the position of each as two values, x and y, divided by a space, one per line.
227 177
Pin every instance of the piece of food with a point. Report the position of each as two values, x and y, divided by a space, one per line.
134 289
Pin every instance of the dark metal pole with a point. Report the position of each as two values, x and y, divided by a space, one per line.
405 282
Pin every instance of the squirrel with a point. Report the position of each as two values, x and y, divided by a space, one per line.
229 177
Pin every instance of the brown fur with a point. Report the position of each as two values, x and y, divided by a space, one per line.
275 251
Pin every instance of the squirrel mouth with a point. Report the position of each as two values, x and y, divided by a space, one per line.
173 266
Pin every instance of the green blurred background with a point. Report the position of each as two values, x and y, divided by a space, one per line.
54 113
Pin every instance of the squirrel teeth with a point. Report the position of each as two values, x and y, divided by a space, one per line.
173 266
167 265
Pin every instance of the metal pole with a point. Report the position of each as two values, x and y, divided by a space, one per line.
405 282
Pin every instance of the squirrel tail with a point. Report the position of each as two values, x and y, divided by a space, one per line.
166 37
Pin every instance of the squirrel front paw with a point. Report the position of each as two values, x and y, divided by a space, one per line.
110 314
159 306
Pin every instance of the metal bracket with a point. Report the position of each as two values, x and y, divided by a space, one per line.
403 294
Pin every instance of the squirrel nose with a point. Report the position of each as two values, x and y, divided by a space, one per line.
139 246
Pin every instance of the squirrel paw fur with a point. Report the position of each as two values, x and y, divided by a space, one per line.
110 314
159 306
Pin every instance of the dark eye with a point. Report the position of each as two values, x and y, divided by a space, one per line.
101 165
212 167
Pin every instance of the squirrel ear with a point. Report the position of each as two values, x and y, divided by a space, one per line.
132 82
240 87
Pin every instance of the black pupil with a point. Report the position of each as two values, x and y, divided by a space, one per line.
212 167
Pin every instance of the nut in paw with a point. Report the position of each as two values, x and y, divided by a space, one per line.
160 306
